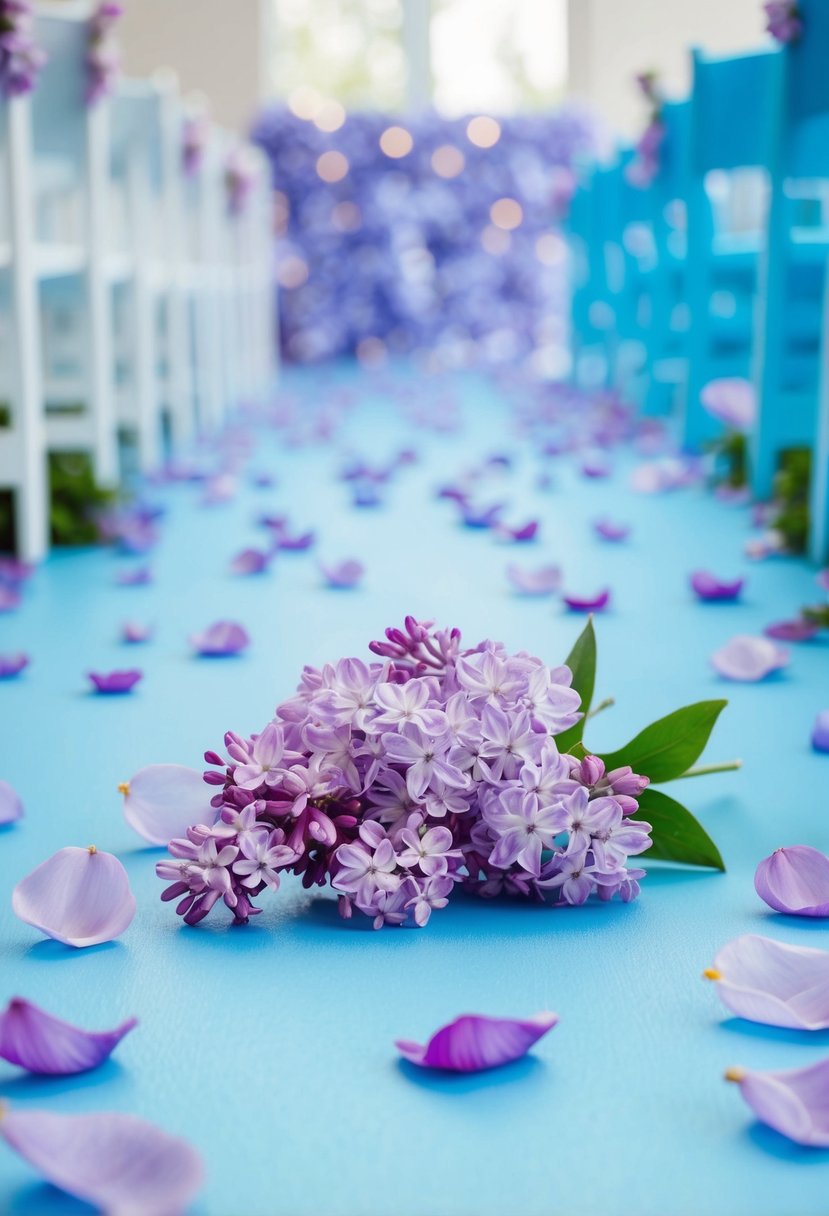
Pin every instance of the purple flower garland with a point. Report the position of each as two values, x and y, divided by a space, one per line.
20 57
103 58
398 780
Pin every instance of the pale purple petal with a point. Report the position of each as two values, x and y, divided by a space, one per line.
799 630
77 896
794 1102
526 532
11 665
296 544
11 806
121 1164
608 530
795 880
732 401
773 983
596 603
748 658
10 598
138 576
249 561
222 638
163 800
134 634
480 517
42 1043
115 682
820 732
343 575
474 1042
544 580
707 586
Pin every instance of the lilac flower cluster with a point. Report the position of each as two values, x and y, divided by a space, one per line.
396 781
103 57
783 20
644 166
20 57
403 253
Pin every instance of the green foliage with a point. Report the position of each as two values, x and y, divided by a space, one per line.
663 751
791 492
75 499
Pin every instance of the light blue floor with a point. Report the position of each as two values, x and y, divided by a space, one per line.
271 1047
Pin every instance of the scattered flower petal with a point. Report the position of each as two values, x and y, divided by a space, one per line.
748 658
732 400
11 805
767 981
343 575
820 732
608 530
795 880
597 603
10 598
526 532
545 580
474 1042
163 800
799 630
11 665
296 544
479 517
707 586
249 561
222 638
77 896
121 1164
115 682
139 576
38 1041
794 1102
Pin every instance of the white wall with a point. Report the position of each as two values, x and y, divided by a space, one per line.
217 47
609 41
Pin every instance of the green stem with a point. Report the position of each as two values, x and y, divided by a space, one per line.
702 770
605 704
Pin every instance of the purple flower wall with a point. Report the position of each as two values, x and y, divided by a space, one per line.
394 254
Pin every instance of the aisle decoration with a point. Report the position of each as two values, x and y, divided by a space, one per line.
770 982
644 166
795 880
119 1163
435 767
783 20
21 59
103 58
77 896
41 1043
794 1102
474 1042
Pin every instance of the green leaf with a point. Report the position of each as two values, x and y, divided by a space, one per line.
582 662
665 749
676 835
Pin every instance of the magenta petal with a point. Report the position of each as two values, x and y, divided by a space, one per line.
38 1041
11 665
163 800
773 983
121 1164
578 603
296 544
820 732
799 630
77 896
543 581
133 634
795 880
795 1102
747 658
11 806
474 1042
707 586
223 638
249 561
115 681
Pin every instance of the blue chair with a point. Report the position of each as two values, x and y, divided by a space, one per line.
732 130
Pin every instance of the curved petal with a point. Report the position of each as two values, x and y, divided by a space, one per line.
770 982
746 658
249 561
607 529
222 638
115 681
11 665
344 574
474 1042
706 586
78 896
797 630
38 1041
11 806
795 1102
119 1163
544 580
578 603
820 732
163 800
795 880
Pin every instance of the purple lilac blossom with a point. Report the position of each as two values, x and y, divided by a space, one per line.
397 780
21 59
103 58
783 20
